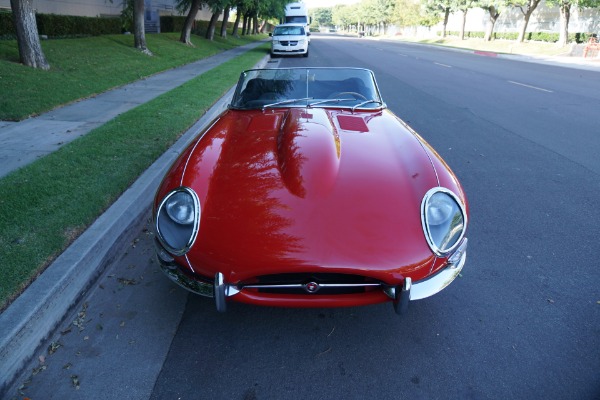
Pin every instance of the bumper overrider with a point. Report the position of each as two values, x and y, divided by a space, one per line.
400 295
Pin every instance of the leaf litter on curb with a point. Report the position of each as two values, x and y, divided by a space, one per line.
81 316
127 282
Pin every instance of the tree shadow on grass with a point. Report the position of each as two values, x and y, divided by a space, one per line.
9 51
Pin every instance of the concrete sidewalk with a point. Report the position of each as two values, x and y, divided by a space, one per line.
36 313
23 142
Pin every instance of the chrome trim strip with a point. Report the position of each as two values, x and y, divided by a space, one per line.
301 285
430 286
220 289
422 144
198 287
198 140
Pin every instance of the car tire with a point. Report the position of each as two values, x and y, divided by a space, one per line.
305 54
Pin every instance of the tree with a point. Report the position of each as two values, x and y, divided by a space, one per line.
322 16
434 8
28 40
225 20
139 31
194 7
383 11
210 31
239 12
527 8
463 6
409 13
493 8
565 14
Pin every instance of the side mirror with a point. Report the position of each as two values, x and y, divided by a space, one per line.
270 34
307 33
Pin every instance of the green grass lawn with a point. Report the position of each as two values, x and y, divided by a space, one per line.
83 67
46 205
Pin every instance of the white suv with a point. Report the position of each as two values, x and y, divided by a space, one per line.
289 39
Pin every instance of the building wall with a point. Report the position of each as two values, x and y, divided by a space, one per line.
97 8
543 19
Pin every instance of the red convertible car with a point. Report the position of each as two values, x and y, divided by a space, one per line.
308 192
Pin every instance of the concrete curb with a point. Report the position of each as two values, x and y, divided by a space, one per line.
29 321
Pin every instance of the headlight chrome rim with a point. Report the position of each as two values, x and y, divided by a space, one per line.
192 228
441 252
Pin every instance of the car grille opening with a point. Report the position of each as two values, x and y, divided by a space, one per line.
313 284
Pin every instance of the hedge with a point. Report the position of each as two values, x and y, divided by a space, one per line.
59 26
172 23
532 36
56 26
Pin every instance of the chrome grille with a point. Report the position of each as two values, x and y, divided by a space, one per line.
314 284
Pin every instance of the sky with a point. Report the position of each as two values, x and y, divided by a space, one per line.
327 3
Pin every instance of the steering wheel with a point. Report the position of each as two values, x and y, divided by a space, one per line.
338 95
270 96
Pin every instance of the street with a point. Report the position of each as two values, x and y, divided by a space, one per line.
523 321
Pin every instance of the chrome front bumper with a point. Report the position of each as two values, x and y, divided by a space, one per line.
401 295
434 284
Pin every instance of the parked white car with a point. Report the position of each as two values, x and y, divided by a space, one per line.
289 39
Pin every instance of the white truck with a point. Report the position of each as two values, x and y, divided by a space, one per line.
297 13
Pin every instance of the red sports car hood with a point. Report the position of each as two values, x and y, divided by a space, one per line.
290 190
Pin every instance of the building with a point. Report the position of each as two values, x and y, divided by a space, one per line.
107 8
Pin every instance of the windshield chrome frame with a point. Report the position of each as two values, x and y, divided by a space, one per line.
237 93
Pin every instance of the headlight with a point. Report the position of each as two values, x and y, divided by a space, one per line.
444 220
181 208
275 41
177 220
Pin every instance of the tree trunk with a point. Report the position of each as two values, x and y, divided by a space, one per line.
236 24
248 24
224 24
210 31
30 48
139 31
255 24
531 6
186 32
565 16
245 25
523 30
494 14
446 16
462 26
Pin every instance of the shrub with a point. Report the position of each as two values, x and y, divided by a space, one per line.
60 26
549 37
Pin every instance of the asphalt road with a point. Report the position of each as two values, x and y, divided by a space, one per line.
523 321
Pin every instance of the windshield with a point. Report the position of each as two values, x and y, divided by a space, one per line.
296 19
288 30
307 87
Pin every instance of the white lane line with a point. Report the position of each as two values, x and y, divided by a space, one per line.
531 87
443 65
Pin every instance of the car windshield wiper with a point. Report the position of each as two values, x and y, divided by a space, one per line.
366 102
289 101
328 101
